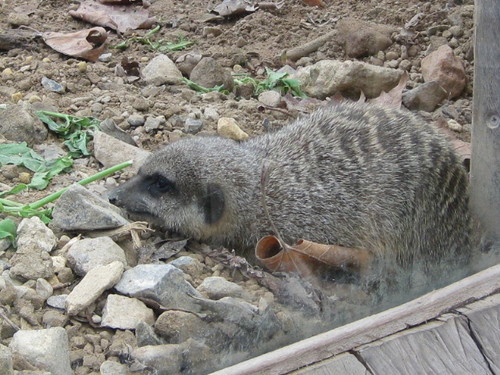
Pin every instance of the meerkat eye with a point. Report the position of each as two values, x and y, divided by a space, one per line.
160 184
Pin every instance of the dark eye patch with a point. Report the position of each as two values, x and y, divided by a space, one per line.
159 184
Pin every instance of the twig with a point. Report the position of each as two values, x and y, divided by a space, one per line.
305 49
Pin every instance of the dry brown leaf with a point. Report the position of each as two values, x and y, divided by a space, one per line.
393 98
87 44
116 17
305 257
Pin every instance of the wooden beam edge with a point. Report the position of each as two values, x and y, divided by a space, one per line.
371 328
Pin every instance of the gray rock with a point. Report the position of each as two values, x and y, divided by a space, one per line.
192 125
6 361
58 302
113 368
54 318
51 85
125 313
197 357
18 123
188 265
208 73
211 114
47 349
231 310
178 326
136 120
34 242
425 97
81 210
161 70
164 359
216 287
188 61
163 283
361 38
146 335
111 151
152 123
43 288
270 98
93 284
92 252
328 77
109 127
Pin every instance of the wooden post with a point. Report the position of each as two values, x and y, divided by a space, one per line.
485 161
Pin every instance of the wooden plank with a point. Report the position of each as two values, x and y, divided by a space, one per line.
343 364
485 161
484 319
342 339
441 347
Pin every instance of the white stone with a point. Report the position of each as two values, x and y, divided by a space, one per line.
92 252
94 283
47 349
125 313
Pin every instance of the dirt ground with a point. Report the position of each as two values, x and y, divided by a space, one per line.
243 43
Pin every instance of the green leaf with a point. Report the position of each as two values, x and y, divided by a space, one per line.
8 229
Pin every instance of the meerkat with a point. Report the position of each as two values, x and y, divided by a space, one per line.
350 174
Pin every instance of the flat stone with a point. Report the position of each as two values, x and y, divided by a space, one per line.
93 284
163 283
125 313
192 126
216 287
92 252
54 86
178 326
47 349
78 209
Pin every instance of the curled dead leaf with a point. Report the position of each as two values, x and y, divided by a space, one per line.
87 44
306 257
116 17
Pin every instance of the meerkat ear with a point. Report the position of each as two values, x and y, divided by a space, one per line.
213 204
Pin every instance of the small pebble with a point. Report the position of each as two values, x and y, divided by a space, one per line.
82 66
105 57
51 85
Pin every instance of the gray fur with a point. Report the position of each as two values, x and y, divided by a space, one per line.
350 174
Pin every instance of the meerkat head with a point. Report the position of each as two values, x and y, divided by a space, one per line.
183 188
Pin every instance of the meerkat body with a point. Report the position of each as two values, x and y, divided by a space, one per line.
350 174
